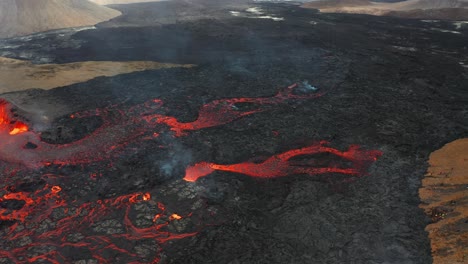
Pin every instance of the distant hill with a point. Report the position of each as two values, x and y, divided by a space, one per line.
110 2
23 17
421 9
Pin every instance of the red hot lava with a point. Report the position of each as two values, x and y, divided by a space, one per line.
223 111
119 129
46 224
48 244
280 165
7 124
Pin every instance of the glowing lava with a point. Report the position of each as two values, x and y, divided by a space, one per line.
53 244
280 165
120 128
223 111
116 132
7 124
31 201
47 226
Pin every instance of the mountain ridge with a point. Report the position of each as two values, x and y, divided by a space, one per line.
24 17
419 9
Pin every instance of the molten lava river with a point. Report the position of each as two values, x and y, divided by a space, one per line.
40 222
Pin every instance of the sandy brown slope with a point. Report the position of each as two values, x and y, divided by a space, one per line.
22 17
441 14
422 9
444 197
18 75
110 2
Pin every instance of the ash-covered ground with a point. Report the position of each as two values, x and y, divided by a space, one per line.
393 85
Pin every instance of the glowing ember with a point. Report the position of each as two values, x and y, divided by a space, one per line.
280 165
19 128
56 189
146 197
175 217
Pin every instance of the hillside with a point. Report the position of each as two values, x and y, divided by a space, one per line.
421 9
110 2
16 75
23 17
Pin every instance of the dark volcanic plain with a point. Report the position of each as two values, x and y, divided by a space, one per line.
389 84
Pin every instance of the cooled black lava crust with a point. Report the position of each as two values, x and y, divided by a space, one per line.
391 84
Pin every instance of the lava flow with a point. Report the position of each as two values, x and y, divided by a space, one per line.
45 225
56 230
19 145
120 128
7 124
223 111
280 165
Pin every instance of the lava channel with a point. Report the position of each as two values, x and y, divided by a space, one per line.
23 146
40 233
120 127
224 111
280 165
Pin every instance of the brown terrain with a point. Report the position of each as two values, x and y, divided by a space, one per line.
420 9
23 17
110 2
18 75
444 197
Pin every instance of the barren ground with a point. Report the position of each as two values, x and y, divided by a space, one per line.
16 75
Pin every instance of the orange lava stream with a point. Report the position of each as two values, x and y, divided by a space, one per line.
223 111
279 165
116 132
119 129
